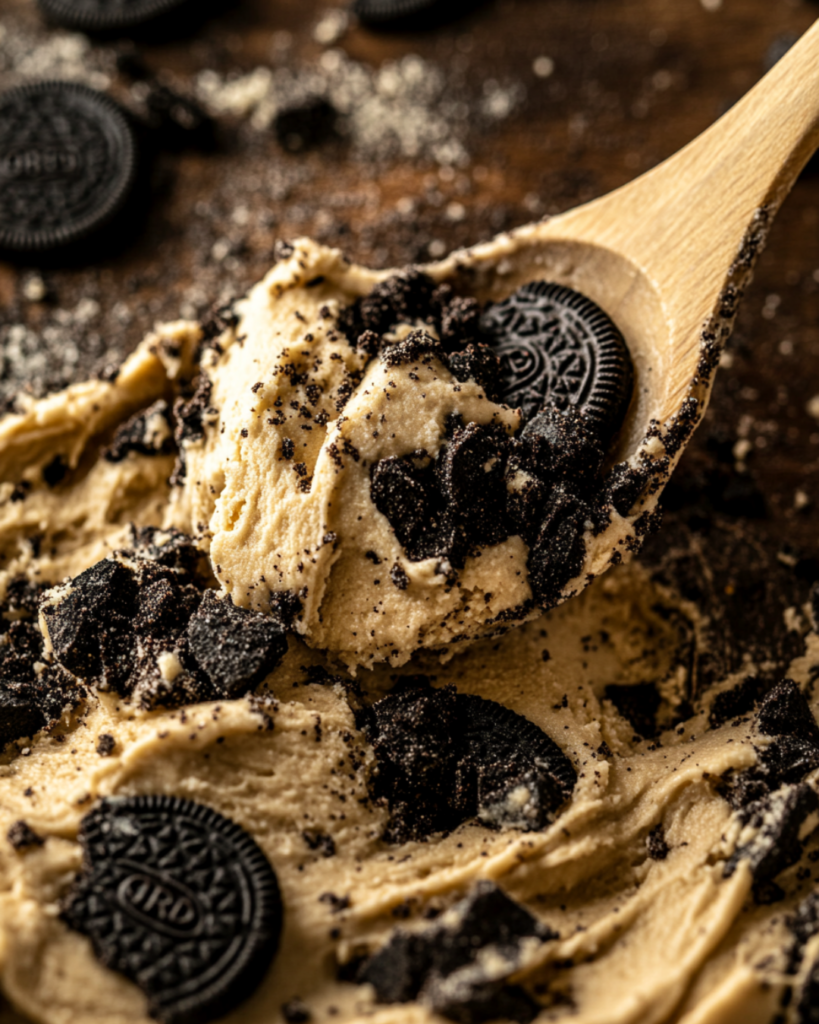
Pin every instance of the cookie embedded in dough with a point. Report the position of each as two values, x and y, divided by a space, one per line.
263 433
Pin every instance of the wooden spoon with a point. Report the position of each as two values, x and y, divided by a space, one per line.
667 257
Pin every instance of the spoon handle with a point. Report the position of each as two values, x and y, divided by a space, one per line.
684 223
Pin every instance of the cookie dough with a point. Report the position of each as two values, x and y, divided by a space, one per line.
280 481
651 888
283 414
64 501
666 875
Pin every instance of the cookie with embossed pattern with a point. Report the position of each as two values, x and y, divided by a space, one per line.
557 347
111 15
180 900
68 165
412 14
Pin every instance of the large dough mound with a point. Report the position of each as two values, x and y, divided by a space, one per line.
287 442
648 887
279 479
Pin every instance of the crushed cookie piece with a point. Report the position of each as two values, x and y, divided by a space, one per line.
21 836
320 842
235 648
105 744
148 432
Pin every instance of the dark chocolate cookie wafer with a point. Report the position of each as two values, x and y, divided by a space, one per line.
518 775
68 164
411 14
19 714
445 757
460 967
108 15
180 900
557 347
493 733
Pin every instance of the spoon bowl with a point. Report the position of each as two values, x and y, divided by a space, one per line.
615 283
668 257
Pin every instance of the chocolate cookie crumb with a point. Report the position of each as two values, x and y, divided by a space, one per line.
655 843
148 432
106 744
480 364
21 836
336 903
219 319
417 347
320 842
189 415
54 471
295 1011
399 577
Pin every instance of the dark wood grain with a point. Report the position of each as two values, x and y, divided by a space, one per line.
634 80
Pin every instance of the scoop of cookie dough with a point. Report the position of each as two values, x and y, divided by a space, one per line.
336 444
375 474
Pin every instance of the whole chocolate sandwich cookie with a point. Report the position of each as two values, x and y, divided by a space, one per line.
179 900
410 14
114 16
68 167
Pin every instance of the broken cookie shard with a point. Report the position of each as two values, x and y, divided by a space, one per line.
402 494
563 444
147 433
785 715
790 746
417 758
398 970
236 648
33 695
145 623
445 757
448 965
480 364
781 821
465 997
88 622
29 704
557 554
20 717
